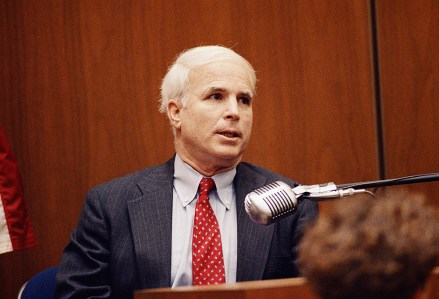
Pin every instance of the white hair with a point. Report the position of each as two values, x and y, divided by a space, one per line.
174 85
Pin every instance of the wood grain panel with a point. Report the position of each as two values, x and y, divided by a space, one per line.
80 83
409 57
315 92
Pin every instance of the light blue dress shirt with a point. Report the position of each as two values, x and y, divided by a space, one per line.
223 202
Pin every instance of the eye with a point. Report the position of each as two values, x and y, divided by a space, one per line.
245 100
215 96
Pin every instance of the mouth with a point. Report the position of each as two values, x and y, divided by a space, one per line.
230 134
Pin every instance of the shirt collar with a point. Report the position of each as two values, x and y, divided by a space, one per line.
187 179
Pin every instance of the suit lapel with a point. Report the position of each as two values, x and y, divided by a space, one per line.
254 240
151 224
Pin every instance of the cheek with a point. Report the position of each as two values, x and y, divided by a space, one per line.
197 126
192 120
248 122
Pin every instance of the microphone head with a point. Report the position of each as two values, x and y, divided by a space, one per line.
271 202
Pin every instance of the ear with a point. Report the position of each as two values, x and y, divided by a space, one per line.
173 110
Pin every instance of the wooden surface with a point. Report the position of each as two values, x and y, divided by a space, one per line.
280 288
80 82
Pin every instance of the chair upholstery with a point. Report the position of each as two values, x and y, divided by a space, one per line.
40 286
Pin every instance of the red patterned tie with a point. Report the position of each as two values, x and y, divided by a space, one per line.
207 251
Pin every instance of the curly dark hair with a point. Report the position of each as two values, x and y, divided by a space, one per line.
371 248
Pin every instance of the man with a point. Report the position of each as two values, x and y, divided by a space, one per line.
138 231
383 248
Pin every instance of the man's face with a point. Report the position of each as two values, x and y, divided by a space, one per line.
214 127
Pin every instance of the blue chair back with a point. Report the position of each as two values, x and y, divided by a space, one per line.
41 285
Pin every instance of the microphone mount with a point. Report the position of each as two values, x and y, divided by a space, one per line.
324 192
330 190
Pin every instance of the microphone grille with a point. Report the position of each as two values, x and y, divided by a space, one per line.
270 202
277 199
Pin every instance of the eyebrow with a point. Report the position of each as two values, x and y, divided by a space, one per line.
220 89
216 89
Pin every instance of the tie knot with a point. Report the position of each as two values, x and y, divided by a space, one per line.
206 185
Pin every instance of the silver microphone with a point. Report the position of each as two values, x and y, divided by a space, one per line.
274 201
270 202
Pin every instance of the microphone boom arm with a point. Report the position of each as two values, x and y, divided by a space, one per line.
330 190
419 178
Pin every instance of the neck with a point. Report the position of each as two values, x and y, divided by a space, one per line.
206 167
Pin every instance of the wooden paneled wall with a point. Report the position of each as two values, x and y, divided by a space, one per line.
80 87
408 40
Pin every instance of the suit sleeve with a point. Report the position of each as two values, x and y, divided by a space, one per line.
307 212
84 268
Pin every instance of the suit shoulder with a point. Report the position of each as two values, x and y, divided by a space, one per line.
268 174
158 172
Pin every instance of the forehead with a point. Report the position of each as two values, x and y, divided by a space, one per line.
225 75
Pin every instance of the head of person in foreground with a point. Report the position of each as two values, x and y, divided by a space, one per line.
384 247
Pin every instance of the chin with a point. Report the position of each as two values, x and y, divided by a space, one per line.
227 153
229 157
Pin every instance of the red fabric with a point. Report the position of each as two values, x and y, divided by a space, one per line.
11 192
207 252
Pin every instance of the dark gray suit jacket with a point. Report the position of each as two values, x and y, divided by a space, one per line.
123 238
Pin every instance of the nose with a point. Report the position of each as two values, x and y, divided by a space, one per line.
232 109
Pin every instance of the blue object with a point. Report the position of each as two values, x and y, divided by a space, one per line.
40 286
